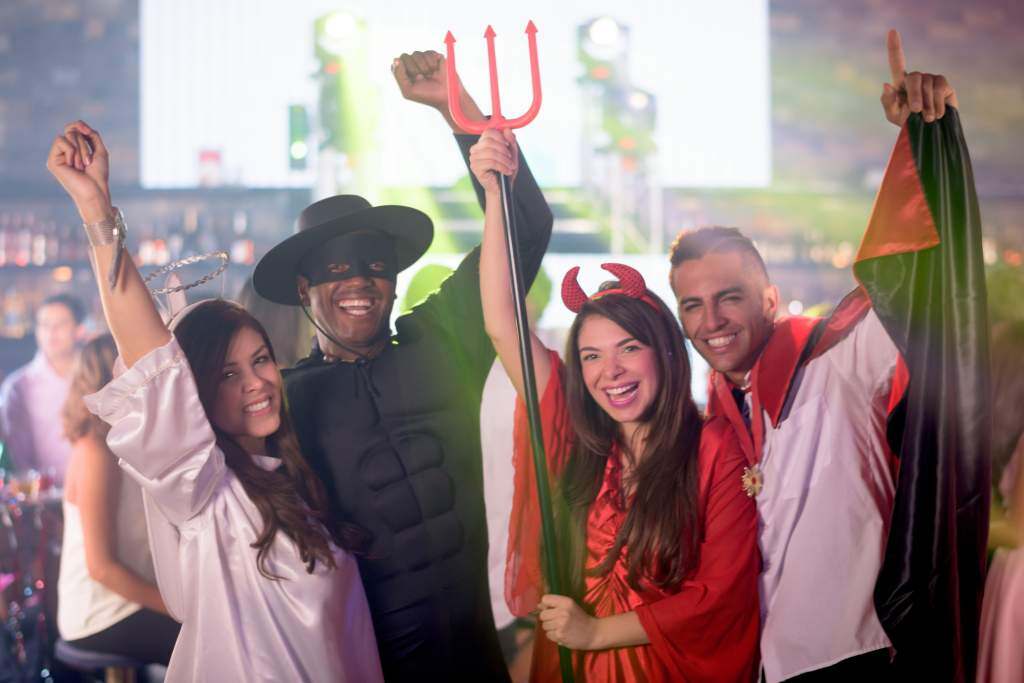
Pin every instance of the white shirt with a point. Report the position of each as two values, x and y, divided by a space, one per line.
237 625
497 437
85 606
31 400
825 508
497 410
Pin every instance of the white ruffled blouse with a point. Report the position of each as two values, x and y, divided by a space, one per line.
236 624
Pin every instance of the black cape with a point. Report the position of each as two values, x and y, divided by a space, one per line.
921 264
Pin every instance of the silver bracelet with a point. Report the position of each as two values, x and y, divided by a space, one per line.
107 231
110 230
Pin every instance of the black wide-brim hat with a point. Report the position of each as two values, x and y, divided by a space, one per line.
410 230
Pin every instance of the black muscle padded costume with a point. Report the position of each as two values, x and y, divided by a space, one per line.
396 440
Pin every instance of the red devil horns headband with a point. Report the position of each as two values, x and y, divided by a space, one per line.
631 284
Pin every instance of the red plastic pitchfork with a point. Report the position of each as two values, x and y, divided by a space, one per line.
496 120
551 565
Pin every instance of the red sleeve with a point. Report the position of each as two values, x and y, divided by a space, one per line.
708 631
524 583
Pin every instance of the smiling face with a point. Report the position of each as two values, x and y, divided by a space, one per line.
354 311
727 308
248 400
620 372
349 282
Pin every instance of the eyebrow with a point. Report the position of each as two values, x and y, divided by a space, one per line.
619 345
261 350
717 295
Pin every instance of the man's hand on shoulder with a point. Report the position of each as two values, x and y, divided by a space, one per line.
914 92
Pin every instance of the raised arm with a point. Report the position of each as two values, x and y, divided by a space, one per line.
421 77
79 161
915 92
173 454
921 264
497 152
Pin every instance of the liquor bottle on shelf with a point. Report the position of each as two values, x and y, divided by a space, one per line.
242 248
39 239
5 237
23 247
52 241
15 321
66 248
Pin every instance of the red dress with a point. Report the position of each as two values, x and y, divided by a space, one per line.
707 629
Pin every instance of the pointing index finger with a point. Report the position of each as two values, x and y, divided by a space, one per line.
897 62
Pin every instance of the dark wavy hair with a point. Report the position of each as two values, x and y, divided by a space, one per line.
290 499
93 370
662 527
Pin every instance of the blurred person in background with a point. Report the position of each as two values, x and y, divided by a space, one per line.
108 599
1001 658
32 396
290 333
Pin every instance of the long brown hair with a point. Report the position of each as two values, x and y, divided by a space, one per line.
93 370
662 527
290 499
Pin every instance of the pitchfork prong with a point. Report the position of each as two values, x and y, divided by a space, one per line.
497 120
492 67
454 86
531 113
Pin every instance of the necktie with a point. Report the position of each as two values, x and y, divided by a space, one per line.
740 397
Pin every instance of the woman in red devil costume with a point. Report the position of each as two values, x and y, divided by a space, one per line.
654 526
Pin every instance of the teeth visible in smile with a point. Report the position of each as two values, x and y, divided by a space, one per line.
719 342
355 306
618 391
256 407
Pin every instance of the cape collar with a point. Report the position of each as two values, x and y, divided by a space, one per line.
795 341
787 349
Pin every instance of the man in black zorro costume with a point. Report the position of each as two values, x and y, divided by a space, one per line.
391 421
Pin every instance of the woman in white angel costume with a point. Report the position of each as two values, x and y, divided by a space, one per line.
245 555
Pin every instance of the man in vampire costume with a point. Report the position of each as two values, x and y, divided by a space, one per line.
391 421
866 433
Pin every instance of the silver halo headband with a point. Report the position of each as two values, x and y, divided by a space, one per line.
189 260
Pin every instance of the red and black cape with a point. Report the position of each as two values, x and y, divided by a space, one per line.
920 268
921 265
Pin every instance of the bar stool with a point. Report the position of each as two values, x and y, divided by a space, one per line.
117 668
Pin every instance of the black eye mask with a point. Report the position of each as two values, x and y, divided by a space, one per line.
357 254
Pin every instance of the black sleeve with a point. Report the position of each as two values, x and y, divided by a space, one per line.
454 311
